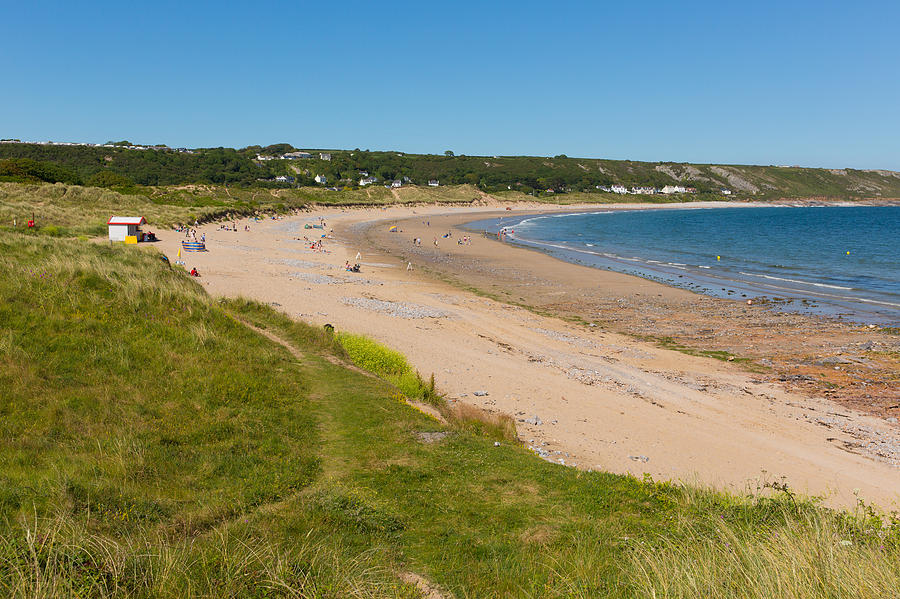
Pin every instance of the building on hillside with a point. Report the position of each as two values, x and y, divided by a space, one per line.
603 188
262 158
725 192
363 173
296 155
434 183
321 179
670 189
618 189
126 228
367 181
324 156
285 179
643 191
690 190
397 183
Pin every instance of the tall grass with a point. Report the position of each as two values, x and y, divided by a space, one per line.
805 552
57 557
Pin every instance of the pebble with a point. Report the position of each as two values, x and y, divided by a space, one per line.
396 309
480 393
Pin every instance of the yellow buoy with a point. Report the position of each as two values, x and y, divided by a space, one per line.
848 253
718 257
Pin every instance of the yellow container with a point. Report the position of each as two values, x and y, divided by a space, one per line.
131 239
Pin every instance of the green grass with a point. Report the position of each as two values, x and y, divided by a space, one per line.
153 445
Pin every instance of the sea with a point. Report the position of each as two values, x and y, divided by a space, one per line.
838 261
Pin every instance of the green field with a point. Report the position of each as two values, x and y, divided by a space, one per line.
159 443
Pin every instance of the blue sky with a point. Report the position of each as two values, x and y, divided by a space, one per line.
810 83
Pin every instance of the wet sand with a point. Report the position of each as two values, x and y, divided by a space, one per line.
594 397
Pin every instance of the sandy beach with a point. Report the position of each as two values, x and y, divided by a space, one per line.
585 389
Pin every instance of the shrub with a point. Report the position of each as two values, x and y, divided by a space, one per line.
385 363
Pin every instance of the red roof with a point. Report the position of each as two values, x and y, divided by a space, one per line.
126 220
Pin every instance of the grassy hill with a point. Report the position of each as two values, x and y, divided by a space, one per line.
155 442
122 167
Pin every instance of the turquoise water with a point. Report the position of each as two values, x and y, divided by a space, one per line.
840 261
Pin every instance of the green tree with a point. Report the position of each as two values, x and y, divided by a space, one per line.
109 179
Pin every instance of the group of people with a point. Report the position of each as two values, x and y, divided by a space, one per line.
192 235
354 268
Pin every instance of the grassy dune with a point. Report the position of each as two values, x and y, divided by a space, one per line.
153 443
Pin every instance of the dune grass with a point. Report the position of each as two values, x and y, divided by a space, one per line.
153 445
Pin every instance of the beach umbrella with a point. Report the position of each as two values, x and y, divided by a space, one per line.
393 229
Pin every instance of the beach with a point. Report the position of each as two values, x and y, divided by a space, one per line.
575 356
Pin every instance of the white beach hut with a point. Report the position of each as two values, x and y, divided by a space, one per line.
121 228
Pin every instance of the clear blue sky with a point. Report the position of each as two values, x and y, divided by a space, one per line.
810 83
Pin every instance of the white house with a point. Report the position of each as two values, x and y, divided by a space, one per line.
726 192
324 156
123 227
645 191
262 158
618 189
296 155
434 183
321 179
397 183
285 179
367 181
669 189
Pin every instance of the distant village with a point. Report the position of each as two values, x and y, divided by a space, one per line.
364 177
649 191
106 145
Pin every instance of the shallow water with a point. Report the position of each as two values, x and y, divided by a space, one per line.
838 260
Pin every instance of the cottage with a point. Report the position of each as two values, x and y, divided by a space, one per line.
367 181
324 156
296 155
645 191
726 192
434 183
321 179
126 228
285 179
670 189
618 189
397 183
